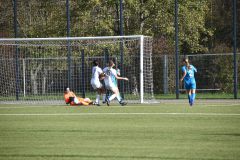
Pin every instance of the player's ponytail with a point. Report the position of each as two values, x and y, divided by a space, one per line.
110 63
186 61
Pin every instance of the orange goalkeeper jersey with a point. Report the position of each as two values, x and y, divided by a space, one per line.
68 95
82 101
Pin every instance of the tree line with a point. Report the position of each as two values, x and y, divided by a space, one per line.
205 26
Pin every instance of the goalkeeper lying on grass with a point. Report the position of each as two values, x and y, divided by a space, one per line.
72 99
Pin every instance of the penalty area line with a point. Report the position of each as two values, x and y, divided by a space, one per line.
92 114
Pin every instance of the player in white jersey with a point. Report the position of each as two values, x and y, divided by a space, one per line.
110 82
95 82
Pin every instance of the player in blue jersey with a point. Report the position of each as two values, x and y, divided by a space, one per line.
189 80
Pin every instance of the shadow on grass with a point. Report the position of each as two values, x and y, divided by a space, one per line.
89 156
225 134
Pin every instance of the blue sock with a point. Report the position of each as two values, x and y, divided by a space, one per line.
193 96
189 99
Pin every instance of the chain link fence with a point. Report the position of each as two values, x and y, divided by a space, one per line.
207 43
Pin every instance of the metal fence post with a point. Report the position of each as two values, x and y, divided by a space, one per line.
16 49
121 48
83 75
176 49
235 49
68 45
165 74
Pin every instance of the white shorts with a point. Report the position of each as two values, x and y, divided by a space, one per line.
96 84
111 87
76 101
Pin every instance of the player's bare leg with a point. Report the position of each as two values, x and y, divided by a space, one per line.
193 96
103 92
99 92
113 96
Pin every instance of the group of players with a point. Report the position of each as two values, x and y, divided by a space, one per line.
109 75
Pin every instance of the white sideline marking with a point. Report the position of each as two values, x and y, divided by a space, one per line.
91 114
204 105
28 107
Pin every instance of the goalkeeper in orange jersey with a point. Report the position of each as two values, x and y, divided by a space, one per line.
72 99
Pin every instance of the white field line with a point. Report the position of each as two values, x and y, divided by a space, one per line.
216 105
140 106
45 106
93 114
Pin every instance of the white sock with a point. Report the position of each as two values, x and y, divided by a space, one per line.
119 98
112 97
103 97
98 98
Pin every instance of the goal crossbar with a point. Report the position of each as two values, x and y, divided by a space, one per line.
71 38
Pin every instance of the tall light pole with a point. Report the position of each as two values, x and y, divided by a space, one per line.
235 48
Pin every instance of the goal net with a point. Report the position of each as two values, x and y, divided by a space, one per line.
36 70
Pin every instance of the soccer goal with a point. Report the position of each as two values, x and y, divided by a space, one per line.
36 70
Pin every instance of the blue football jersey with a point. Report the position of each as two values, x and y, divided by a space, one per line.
189 73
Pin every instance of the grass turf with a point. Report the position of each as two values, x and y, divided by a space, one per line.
159 131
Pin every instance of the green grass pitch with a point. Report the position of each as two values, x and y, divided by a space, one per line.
171 131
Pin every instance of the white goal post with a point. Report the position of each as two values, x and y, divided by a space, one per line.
36 70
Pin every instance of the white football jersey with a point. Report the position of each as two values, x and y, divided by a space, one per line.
95 82
96 71
110 77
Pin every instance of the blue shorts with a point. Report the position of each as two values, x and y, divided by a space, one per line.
190 85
